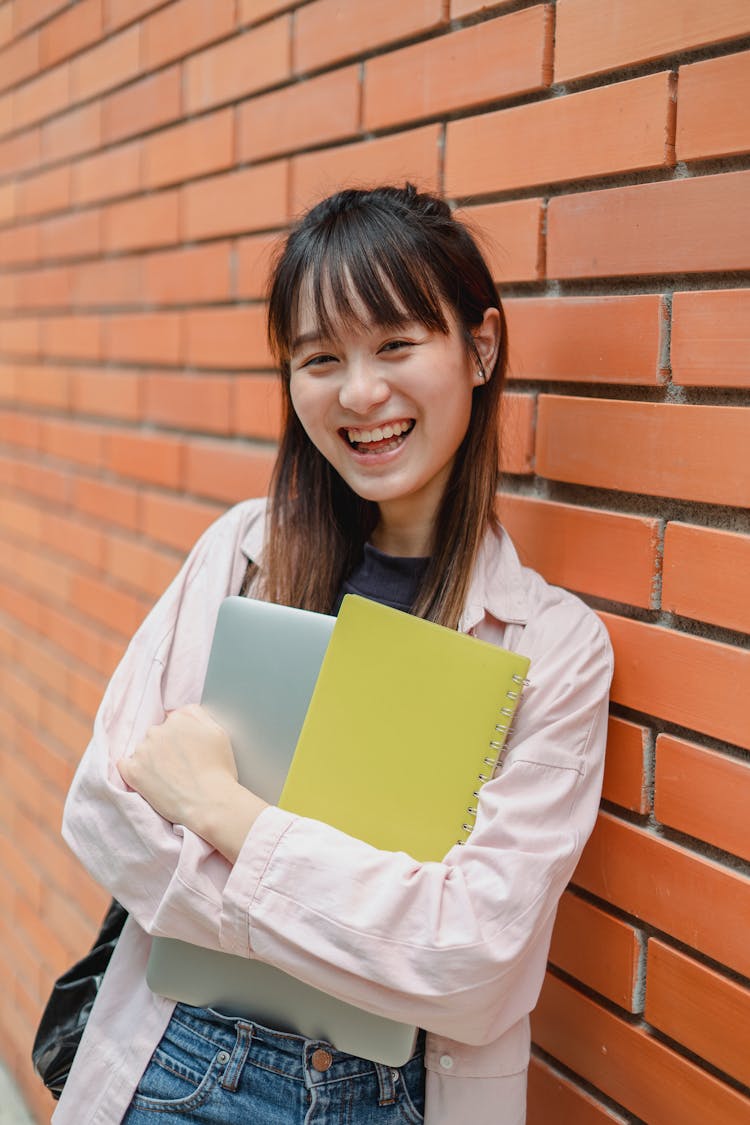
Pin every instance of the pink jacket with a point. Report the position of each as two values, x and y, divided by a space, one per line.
457 947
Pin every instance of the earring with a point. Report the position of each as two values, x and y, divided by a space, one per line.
481 376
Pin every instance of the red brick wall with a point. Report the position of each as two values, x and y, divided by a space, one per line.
149 152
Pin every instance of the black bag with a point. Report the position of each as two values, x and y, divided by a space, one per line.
70 1003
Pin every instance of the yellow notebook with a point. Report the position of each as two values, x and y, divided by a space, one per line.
406 723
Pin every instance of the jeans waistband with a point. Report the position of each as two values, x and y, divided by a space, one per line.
203 1032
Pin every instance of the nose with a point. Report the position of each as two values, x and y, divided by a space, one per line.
363 388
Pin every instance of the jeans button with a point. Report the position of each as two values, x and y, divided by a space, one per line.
223 1058
321 1059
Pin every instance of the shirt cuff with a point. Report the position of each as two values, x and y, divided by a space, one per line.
246 876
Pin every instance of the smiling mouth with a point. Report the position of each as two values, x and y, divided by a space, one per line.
379 439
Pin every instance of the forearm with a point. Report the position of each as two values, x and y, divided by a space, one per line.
225 823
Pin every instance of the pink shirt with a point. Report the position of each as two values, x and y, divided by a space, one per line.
457 947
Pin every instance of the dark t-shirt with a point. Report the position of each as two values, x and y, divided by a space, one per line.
387 579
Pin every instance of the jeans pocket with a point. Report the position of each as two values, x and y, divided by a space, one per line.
411 1090
173 1081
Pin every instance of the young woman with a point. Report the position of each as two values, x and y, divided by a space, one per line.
391 344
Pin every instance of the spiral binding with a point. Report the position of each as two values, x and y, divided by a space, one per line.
496 746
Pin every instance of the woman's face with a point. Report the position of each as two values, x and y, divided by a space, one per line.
387 407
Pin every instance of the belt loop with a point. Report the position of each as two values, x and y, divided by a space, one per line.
232 1074
386 1084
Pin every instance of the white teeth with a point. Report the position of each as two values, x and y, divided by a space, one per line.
379 433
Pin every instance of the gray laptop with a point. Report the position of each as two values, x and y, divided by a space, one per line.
262 670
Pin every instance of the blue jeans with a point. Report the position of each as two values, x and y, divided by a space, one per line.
211 1069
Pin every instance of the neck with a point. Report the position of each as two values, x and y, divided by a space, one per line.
399 534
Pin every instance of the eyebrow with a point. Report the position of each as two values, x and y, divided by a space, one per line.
307 338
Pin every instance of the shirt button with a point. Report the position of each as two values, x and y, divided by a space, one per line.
321 1059
446 1062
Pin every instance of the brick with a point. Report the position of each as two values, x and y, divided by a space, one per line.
36 289
111 63
671 888
187 276
710 118
662 449
586 339
6 113
108 282
44 96
617 128
194 148
607 554
641 229
106 393
250 199
145 338
703 793
625 780
705 575
687 680
413 155
142 106
227 337
628 1064
6 24
143 222
8 202
121 12
29 13
74 539
240 66
143 568
461 8
307 113
600 951
147 457
73 235
18 61
44 386
72 441
256 407
250 11
45 192
453 71
101 602
331 30
711 338
107 175
75 28
253 257
21 152
72 337
189 402
182 28
591 37
41 481
73 133
20 336
696 1006
107 503
22 518
509 236
19 245
227 472
176 521
516 447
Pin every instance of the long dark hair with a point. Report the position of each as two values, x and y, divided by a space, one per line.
400 252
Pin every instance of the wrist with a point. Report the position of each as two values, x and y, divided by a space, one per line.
225 822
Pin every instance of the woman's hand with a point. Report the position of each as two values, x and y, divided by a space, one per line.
186 771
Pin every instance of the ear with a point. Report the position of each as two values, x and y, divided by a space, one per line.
487 342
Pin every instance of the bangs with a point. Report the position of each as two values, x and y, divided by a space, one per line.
359 269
